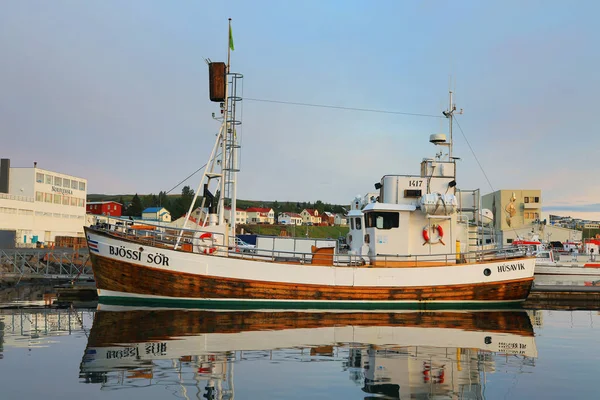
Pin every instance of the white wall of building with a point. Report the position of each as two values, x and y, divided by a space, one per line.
43 210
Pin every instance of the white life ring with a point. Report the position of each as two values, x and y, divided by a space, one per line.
440 234
208 249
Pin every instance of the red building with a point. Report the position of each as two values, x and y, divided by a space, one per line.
111 208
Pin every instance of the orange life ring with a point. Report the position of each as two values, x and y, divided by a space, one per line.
426 234
212 248
427 238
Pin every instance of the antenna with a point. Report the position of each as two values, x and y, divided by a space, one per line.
449 113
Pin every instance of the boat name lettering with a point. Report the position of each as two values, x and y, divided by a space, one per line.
126 352
135 255
511 267
415 183
512 348
511 345
61 190
157 349
125 253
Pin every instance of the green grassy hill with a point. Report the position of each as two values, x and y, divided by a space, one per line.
297 231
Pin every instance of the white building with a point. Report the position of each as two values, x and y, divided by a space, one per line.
341 220
240 215
36 205
290 218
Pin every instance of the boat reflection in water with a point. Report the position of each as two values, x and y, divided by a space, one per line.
397 354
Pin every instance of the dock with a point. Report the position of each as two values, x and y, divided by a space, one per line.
54 264
563 297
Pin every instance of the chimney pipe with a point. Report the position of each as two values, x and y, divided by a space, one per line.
4 175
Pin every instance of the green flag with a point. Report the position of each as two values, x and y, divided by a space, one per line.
231 39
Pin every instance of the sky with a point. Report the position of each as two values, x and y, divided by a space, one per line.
117 92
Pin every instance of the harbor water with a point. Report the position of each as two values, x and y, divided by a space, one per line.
112 352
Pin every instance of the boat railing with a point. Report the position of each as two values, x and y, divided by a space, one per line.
156 234
164 236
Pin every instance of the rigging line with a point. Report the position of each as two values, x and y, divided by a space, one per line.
189 176
480 166
474 155
344 108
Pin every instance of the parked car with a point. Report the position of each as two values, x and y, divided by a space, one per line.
242 246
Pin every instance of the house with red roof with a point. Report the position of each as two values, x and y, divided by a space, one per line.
310 216
259 215
328 218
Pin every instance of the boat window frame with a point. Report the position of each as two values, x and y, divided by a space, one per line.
391 220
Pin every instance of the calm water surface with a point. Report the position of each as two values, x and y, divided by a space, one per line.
191 354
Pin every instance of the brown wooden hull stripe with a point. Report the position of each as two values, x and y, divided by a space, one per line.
134 326
121 276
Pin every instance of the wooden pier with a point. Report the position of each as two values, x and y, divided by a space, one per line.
17 265
563 297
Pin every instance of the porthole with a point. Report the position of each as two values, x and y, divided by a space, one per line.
487 272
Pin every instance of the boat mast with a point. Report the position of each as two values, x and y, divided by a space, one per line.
224 155
230 129
450 115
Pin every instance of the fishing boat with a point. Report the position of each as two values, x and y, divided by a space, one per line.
417 251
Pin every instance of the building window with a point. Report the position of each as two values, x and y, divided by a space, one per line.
49 179
73 201
81 185
48 197
66 200
66 183
39 177
57 199
526 199
74 184
80 202
537 199
39 196
536 215
57 181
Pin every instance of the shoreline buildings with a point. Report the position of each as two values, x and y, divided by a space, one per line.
36 205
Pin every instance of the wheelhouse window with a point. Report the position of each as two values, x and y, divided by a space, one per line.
382 220
352 223
358 223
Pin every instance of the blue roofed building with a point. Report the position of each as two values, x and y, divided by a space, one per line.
157 214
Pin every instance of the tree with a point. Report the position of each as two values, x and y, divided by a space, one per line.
182 204
319 206
136 207
163 200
